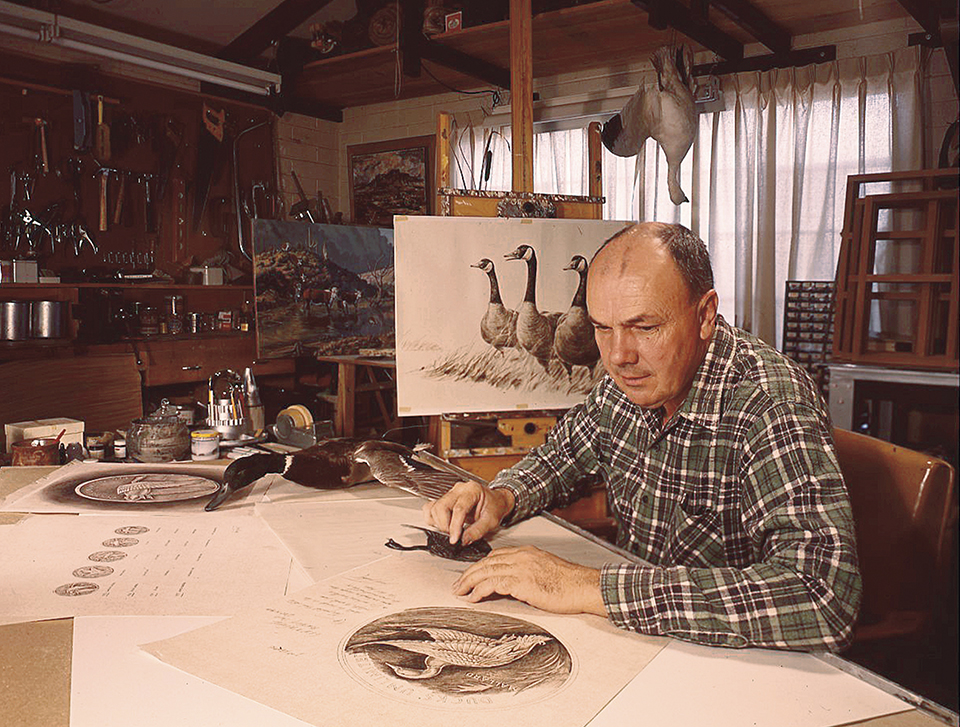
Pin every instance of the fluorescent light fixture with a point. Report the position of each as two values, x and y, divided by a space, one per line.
58 30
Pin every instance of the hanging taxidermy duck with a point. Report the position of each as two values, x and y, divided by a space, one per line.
338 463
665 111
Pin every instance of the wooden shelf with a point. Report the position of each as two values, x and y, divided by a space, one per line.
604 34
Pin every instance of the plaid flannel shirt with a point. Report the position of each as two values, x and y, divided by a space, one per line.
737 504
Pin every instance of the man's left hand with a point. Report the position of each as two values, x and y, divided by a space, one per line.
536 577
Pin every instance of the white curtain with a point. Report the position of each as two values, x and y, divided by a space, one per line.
766 176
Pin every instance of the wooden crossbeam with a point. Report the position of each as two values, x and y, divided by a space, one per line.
272 26
755 22
924 12
804 57
465 63
671 14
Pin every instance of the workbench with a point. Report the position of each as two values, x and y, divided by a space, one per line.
36 657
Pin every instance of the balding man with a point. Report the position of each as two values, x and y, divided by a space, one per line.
719 464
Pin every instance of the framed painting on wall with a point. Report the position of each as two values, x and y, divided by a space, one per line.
390 178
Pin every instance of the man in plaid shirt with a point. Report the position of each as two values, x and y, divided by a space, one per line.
719 464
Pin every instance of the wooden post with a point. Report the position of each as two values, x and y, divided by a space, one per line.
443 152
521 93
595 165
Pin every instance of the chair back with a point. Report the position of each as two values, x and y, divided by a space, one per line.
904 511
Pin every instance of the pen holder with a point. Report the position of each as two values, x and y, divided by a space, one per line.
226 416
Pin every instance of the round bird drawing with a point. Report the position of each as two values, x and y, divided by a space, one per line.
498 327
535 330
574 341
453 647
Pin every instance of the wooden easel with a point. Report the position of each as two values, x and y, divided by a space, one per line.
525 430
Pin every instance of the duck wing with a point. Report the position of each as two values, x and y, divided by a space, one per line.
394 466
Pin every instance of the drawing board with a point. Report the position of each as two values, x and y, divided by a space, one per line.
452 357
389 644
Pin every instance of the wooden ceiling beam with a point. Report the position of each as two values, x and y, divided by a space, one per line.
671 14
465 63
271 27
924 12
755 22
414 48
802 57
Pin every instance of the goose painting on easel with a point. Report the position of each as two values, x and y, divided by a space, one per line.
491 313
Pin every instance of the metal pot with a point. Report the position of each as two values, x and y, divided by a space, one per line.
46 319
161 437
14 320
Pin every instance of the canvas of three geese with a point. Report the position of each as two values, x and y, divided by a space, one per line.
567 337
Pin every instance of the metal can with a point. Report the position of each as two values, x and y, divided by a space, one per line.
194 323
205 444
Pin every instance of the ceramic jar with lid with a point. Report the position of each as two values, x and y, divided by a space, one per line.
161 437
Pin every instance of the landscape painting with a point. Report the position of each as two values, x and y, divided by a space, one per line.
491 313
322 289
390 178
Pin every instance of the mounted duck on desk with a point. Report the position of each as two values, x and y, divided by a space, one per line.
336 464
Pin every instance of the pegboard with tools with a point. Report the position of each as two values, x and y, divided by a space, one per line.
103 176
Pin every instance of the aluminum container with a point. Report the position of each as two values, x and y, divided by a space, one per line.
46 319
14 320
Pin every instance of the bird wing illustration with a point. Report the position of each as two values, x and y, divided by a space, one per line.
452 647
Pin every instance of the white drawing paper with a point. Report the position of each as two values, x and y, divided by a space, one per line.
688 685
444 365
213 564
388 644
355 533
129 488
115 684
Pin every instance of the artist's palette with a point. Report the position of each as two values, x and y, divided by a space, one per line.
147 488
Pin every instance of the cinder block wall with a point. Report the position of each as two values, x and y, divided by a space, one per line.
318 149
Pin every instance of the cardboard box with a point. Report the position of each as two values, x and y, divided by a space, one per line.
18 431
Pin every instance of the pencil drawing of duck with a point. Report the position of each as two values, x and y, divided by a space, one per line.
453 647
535 330
574 341
498 327
666 112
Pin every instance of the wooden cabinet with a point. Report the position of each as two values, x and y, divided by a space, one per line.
184 360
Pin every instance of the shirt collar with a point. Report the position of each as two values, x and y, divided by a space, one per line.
703 404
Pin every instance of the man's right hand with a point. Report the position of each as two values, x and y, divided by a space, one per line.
479 507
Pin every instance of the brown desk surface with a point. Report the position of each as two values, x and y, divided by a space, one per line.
35 658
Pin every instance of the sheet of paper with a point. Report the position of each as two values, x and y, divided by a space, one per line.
129 488
213 564
388 644
354 533
281 491
115 684
330 537
688 685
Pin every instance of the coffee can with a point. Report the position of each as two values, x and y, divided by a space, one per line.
204 444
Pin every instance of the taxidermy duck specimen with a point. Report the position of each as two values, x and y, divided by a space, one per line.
439 544
498 327
452 647
394 466
574 342
338 463
665 112
535 330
